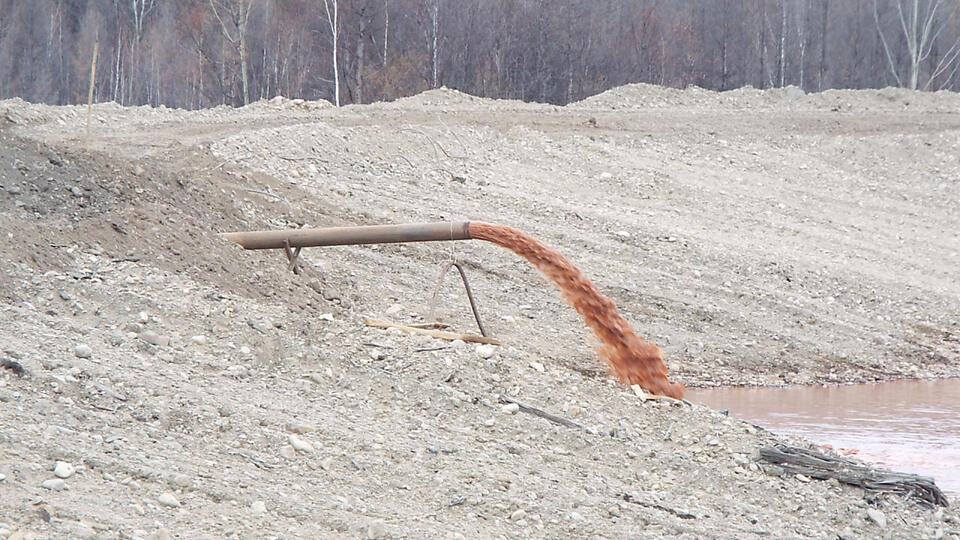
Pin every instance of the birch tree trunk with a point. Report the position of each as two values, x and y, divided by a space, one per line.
823 46
386 29
243 14
360 46
333 22
435 23
239 15
783 42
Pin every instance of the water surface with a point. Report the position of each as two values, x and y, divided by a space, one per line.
907 426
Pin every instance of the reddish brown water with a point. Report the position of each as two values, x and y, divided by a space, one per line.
633 360
908 426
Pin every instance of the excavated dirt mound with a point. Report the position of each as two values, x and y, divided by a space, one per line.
192 389
790 98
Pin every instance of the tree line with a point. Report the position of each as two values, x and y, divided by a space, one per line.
202 53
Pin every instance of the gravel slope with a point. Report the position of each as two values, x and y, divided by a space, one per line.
758 238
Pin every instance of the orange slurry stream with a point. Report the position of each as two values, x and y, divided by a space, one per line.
634 360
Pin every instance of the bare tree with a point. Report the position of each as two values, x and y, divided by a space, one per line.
823 44
334 24
921 26
386 29
435 35
139 11
236 33
197 53
803 10
782 62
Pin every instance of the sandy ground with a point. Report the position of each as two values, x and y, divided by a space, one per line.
199 390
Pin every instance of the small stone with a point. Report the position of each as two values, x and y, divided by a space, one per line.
55 484
258 507
153 338
518 515
510 408
486 351
244 350
773 470
143 316
287 452
639 392
458 344
489 422
198 340
63 469
573 411
45 511
83 351
3 477
877 517
299 444
17 535
300 428
167 499
161 534
181 480
537 366
794 92
376 529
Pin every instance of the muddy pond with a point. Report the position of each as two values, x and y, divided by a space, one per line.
907 426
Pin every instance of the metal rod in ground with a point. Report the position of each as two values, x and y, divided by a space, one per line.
466 286
341 236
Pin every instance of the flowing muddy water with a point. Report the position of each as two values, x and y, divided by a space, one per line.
907 426
634 360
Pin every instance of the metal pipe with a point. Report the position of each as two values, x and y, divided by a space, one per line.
341 236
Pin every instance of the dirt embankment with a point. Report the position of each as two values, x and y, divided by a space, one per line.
195 389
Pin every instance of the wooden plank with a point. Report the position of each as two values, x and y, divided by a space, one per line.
438 334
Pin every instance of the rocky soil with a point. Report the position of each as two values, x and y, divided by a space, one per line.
177 386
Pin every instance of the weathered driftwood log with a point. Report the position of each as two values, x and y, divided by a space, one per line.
822 467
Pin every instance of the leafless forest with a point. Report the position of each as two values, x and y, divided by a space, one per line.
201 53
